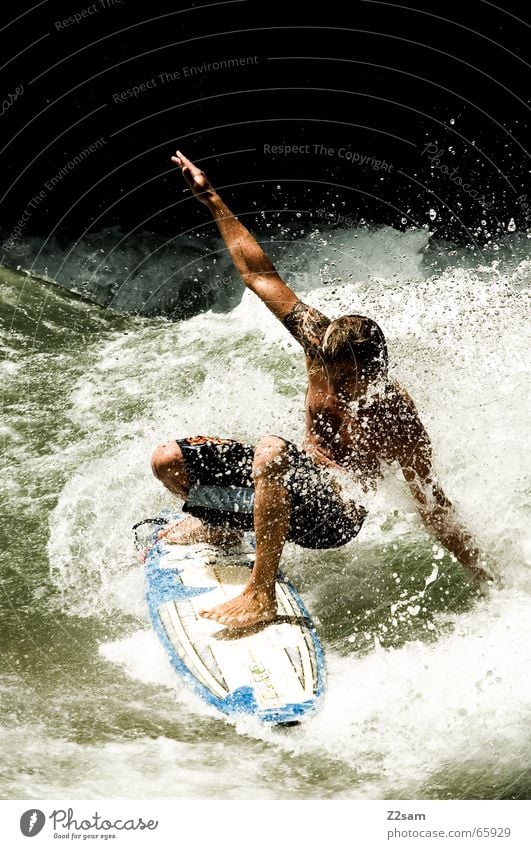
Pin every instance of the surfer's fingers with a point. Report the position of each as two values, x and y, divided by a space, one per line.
183 157
185 168
194 170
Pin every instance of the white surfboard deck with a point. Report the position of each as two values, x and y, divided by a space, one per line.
274 672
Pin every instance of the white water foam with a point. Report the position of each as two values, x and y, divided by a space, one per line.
458 342
405 715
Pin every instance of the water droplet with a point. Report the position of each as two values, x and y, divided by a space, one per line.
452 121
511 225
433 215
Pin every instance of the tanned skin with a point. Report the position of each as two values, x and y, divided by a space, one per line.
352 423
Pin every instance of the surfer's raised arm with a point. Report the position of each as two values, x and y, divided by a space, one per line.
256 269
436 510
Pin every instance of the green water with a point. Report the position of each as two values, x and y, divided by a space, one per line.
429 688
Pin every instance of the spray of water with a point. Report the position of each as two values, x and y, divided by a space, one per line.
424 696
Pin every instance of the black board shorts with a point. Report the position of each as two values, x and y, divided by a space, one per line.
222 493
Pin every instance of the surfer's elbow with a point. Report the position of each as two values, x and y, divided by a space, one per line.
436 517
429 497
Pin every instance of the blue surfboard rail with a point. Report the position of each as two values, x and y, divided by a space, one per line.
162 585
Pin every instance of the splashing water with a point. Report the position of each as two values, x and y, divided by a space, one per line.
429 684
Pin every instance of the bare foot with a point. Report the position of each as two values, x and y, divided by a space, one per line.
192 530
249 608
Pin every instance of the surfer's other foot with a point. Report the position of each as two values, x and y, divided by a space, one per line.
250 608
191 530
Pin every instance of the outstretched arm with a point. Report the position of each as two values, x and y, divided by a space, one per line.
435 509
258 272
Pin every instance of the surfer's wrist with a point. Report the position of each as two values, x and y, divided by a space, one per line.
214 202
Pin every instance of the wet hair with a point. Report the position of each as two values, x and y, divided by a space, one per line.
359 339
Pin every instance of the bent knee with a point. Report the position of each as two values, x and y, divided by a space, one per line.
270 456
166 456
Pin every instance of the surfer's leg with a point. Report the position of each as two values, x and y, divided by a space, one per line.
191 530
167 463
272 507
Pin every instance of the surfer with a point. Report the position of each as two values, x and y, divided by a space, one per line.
357 419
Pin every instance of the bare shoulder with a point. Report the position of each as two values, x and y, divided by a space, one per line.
307 325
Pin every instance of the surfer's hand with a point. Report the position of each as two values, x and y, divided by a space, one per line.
196 179
485 573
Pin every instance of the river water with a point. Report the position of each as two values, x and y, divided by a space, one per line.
429 683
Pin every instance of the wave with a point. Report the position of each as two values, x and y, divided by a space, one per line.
145 274
428 694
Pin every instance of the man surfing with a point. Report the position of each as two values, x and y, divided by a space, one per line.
357 419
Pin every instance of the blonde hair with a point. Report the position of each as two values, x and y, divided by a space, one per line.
358 339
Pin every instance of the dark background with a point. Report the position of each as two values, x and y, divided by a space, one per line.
379 79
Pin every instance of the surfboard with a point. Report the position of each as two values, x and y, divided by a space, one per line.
274 672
